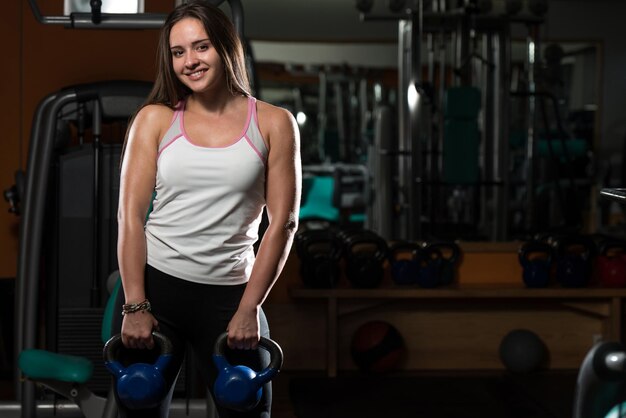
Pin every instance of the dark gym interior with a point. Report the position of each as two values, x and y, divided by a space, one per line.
461 249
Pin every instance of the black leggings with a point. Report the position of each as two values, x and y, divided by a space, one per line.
194 315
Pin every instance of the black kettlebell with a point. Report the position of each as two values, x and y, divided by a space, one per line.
365 254
319 251
404 258
239 387
450 256
573 260
535 257
140 385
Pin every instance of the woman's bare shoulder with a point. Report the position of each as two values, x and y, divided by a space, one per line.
273 112
153 120
274 119
277 124
155 114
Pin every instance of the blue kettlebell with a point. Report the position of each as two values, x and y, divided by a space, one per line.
535 257
431 261
140 385
404 258
450 257
239 387
574 260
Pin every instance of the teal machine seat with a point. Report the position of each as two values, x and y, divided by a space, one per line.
335 193
574 148
318 199
46 365
69 375
38 364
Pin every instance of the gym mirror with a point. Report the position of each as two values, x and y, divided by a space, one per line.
333 89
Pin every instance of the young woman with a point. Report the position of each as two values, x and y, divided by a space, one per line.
215 156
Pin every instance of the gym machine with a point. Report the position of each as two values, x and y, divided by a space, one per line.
439 165
601 383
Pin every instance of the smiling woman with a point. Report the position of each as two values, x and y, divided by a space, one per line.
216 158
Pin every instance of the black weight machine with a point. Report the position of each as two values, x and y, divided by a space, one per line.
464 46
446 183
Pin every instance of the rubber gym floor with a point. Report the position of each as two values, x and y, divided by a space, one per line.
449 395
433 395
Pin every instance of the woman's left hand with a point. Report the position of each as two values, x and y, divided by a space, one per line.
243 329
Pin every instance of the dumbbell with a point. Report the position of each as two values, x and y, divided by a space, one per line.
239 387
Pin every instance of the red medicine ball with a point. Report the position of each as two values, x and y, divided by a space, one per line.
377 347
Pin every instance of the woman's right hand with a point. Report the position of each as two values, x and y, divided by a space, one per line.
137 330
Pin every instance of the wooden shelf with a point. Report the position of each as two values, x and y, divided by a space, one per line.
605 304
456 292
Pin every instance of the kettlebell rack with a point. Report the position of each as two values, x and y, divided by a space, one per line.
602 303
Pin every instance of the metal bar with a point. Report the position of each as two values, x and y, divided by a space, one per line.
127 21
321 116
403 170
180 408
415 110
436 21
32 231
236 10
530 144
116 21
24 262
502 131
97 131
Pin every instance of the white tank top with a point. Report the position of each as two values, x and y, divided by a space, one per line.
208 204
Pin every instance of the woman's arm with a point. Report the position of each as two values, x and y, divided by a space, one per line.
137 182
283 186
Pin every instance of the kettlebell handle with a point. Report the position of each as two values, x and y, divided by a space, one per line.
405 247
314 237
276 355
611 244
455 250
534 246
564 244
368 237
111 346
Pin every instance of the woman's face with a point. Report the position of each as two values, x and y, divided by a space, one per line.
195 61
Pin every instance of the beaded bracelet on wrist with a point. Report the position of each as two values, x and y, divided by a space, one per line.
129 308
